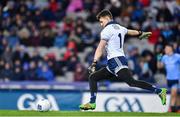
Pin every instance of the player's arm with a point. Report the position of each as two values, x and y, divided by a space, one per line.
160 65
142 35
98 53
99 50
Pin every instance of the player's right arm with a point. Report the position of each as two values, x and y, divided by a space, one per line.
133 32
99 52
142 35
160 61
160 65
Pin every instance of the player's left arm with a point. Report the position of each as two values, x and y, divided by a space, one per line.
142 35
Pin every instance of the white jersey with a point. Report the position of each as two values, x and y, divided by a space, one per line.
114 34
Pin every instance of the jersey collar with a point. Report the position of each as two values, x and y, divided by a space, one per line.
111 22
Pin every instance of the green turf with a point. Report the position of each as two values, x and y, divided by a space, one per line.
79 113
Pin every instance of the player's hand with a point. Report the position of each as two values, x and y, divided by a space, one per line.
145 35
92 68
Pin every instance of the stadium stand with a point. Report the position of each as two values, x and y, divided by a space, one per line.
58 37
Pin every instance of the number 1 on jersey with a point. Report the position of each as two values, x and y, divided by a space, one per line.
120 40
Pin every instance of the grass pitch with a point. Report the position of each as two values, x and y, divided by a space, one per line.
7 113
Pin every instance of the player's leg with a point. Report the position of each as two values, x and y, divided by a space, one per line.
101 74
173 99
125 75
173 85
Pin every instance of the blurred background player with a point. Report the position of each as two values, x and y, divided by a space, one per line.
171 62
112 40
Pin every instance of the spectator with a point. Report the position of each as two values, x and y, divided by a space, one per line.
31 73
80 73
13 39
47 38
45 73
35 56
7 56
53 6
74 6
115 7
164 14
24 34
68 25
20 53
155 35
133 60
87 38
167 34
150 59
72 62
18 75
60 40
92 16
7 72
138 14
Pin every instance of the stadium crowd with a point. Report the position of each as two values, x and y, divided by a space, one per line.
30 27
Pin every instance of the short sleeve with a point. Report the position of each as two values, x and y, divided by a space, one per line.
125 30
105 34
178 57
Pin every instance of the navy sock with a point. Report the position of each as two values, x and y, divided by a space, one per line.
93 98
156 90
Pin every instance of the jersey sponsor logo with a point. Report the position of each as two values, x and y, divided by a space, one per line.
124 105
28 101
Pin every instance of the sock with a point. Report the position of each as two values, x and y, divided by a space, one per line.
93 97
173 108
156 90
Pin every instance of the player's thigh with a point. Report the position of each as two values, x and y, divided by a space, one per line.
125 75
173 85
101 74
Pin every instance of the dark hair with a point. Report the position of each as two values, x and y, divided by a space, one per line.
104 13
170 45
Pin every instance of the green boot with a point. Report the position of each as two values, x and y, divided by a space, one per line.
88 106
162 95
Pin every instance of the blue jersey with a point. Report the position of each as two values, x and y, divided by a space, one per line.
172 65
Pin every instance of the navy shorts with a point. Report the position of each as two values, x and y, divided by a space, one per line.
172 83
116 64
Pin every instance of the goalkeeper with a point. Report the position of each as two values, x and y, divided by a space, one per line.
112 40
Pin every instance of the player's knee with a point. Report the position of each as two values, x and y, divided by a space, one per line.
174 92
131 83
92 77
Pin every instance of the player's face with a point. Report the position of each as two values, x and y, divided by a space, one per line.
103 21
168 50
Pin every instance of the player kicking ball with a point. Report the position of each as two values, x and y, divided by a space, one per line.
112 39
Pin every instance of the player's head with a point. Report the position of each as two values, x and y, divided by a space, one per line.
104 17
169 49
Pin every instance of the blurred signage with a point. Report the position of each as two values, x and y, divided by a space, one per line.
128 102
26 99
